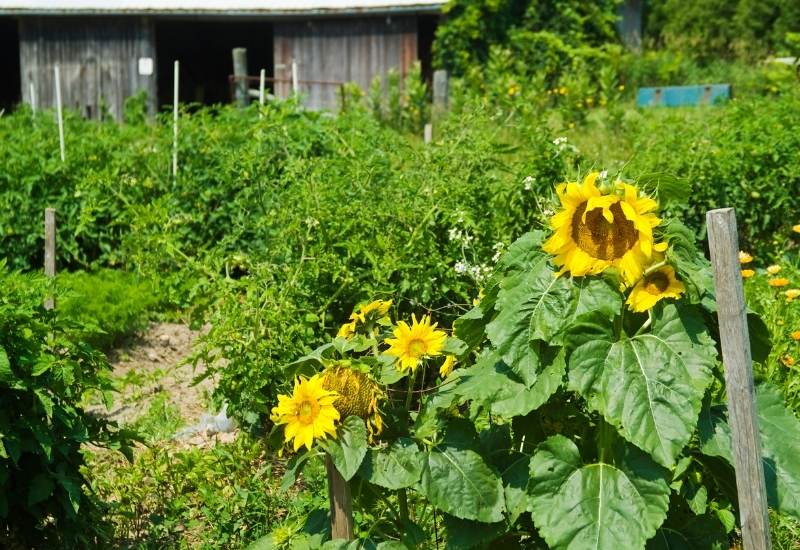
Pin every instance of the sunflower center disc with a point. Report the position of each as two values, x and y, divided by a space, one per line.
601 239
416 348
657 283
305 412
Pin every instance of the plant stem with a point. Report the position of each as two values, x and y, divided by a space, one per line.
654 267
646 324
403 498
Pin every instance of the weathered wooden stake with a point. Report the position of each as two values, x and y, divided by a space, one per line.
340 502
440 93
428 132
723 243
49 250
295 83
240 76
261 82
59 112
175 76
32 89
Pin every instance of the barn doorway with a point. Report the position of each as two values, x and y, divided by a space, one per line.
10 93
204 51
426 32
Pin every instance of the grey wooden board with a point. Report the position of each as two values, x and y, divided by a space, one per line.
341 50
98 59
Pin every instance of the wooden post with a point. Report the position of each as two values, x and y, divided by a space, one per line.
295 83
32 89
49 250
428 132
240 76
175 77
440 93
59 112
261 82
340 502
723 243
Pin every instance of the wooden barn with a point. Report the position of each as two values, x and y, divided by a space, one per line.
108 50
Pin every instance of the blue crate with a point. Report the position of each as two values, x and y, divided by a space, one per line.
675 96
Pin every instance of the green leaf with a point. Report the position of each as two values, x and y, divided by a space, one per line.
530 307
40 488
651 386
780 445
521 400
523 253
760 339
596 506
464 534
349 448
704 532
396 467
7 376
515 484
293 469
458 482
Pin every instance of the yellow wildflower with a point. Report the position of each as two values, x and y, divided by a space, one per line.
778 282
747 273
744 257
774 269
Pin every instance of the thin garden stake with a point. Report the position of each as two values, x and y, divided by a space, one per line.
175 122
261 81
49 250
341 503
59 112
32 89
428 133
295 84
723 243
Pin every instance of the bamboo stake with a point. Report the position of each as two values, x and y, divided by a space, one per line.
295 83
32 89
49 250
263 78
723 243
175 80
340 502
59 112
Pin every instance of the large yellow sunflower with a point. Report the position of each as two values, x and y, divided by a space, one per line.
359 394
596 231
308 413
412 344
653 287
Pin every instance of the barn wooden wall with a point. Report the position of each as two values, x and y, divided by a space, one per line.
341 50
97 58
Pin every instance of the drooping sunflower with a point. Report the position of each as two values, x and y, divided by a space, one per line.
596 231
411 344
309 413
656 285
366 315
359 394
347 329
447 366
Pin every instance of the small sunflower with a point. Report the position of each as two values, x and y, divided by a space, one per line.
796 336
747 273
308 413
359 395
796 228
366 315
780 281
347 330
653 287
596 231
447 366
774 269
412 344
792 293
744 257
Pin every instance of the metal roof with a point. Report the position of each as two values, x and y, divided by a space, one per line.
215 7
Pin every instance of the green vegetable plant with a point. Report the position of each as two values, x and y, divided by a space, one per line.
586 408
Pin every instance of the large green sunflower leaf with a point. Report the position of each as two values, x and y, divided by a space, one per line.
780 445
459 482
597 506
703 531
349 448
531 306
649 386
395 467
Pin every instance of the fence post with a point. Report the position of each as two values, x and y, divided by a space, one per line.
340 502
59 112
175 82
32 89
49 250
723 243
240 76
428 132
441 93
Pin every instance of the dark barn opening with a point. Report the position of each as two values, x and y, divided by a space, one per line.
426 31
10 93
204 49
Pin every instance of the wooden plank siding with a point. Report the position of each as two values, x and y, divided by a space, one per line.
341 50
98 59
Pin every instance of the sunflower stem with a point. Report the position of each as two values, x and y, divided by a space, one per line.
402 497
412 378
646 324
656 266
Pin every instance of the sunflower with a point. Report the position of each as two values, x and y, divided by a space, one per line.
412 344
796 336
774 269
796 228
653 287
447 366
596 231
308 413
744 257
780 281
377 309
747 273
359 394
347 330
